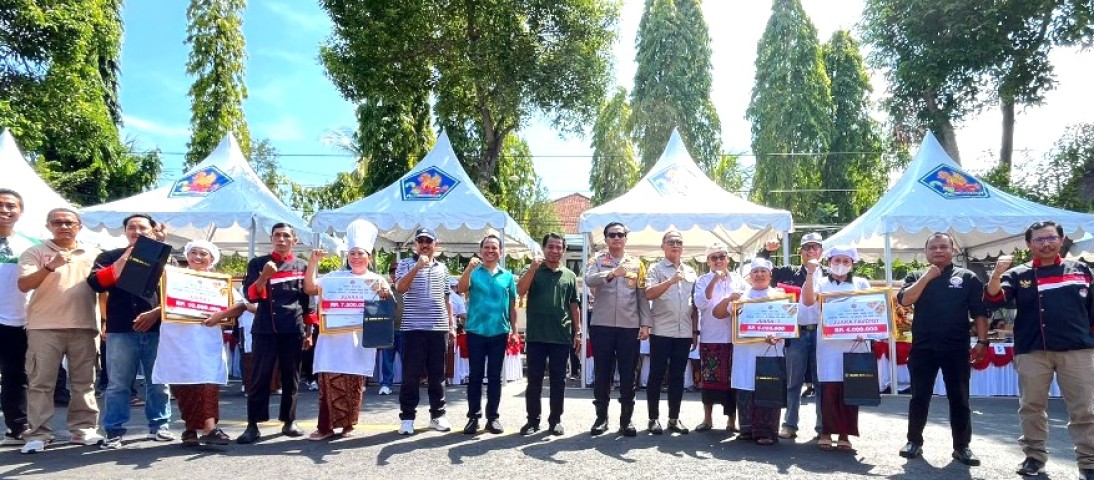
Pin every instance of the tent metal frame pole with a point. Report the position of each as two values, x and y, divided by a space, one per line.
251 240
584 312
892 339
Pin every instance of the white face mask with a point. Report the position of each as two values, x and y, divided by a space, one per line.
839 269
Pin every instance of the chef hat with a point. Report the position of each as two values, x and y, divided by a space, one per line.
760 263
361 234
205 245
845 251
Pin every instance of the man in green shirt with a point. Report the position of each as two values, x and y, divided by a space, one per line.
554 326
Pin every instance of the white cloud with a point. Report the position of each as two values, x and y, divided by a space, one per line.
154 128
285 129
316 22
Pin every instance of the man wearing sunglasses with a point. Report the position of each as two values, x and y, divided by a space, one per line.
427 327
1053 336
621 307
801 351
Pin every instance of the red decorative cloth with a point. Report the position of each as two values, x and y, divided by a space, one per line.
989 357
1004 359
461 341
515 345
881 349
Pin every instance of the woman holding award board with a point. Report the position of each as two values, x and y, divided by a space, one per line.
191 356
760 424
340 362
836 417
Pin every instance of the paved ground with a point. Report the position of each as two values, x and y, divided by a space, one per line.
377 452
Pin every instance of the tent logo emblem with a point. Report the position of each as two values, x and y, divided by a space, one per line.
200 183
673 180
430 184
952 183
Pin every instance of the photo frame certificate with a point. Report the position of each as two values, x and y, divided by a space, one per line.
342 303
191 296
850 315
757 318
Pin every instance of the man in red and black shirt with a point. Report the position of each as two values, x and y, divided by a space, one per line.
1053 334
275 283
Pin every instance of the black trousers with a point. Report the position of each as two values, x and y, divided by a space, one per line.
612 347
285 351
542 356
423 352
923 366
13 377
485 356
671 354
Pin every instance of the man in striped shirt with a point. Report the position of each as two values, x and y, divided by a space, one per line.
427 328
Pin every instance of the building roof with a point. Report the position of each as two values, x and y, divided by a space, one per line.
569 208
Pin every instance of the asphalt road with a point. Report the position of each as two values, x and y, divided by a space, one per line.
377 452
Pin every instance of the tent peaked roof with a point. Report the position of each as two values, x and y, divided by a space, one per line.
677 194
221 193
38 197
936 195
436 193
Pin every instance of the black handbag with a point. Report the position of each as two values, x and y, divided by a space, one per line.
860 382
378 329
770 387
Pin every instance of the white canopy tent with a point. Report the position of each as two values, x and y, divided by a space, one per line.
38 197
220 199
676 194
437 194
935 195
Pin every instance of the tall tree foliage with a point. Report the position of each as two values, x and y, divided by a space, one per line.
489 65
59 96
614 170
945 60
217 62
790 112
853 171
265 159
1064 178
672 83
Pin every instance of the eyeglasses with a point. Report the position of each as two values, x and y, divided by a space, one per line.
717 258
63 223
674 243
617 235
425 240
1044 240
811 246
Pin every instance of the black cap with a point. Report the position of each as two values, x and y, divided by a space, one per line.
425 232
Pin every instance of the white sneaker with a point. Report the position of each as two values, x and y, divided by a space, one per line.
406 427
86 438
440 424
162 435
33 446
385 390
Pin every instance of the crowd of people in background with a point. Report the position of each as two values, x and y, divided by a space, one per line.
51 291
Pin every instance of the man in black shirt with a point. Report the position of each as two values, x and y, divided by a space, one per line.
945 297
275 284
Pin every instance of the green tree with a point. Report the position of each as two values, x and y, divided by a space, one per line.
1065 177
391 138
489 66
518 190
728 173
614 170
853 171
58 95
266 160
672 84
217 61
790 112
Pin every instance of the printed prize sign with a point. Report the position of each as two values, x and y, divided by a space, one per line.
342 303
850 315
760 317
191 296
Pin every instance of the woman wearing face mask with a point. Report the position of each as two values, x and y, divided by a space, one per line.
192 359
761 424
836 418
340 362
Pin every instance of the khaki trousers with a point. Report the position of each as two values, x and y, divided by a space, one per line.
1075 374
45 348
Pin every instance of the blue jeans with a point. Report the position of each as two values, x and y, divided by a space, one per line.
124 353
387 361
801 363
486 356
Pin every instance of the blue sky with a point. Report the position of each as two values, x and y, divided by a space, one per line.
293 103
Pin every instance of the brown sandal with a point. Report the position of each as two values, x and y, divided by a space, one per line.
765 441
844 446
318 436
825 444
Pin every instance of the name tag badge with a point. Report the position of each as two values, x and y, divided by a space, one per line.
1000 350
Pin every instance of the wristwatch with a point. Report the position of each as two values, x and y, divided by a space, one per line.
983 342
